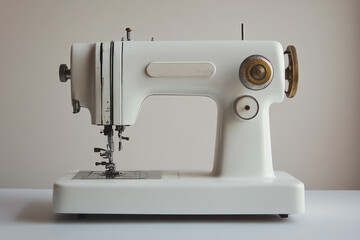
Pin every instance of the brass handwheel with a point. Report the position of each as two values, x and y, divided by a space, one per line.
292 71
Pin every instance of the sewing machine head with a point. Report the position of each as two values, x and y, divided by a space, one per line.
244 78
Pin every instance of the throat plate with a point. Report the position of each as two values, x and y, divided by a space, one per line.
122 175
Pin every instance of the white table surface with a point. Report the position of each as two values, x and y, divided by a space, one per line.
27 214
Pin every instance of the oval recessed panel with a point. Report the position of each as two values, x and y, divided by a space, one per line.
180 69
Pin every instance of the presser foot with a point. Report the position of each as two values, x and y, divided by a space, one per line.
107 153
111 173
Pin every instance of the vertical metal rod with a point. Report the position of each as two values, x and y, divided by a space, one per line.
110 144
242 31
128 30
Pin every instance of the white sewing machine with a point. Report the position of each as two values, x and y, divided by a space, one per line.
244 78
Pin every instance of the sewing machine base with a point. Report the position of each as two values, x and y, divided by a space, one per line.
179 193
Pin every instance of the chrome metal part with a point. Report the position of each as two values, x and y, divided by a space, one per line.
120 130
76 106
110 167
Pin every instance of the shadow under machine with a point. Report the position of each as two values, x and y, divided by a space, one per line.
244 78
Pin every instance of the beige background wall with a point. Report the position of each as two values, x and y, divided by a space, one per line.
315 136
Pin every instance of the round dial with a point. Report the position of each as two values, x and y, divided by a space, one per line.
256 72
246 107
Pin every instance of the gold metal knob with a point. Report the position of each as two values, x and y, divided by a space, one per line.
292 71
256 72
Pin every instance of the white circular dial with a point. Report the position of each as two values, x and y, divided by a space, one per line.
246 107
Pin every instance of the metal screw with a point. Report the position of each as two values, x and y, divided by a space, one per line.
128 30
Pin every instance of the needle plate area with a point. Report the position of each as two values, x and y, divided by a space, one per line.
122 175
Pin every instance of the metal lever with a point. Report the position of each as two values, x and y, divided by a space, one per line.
99 149
100 163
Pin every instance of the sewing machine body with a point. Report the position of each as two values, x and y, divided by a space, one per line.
113 79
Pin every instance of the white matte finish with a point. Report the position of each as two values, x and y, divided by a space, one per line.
178 193
242 180
180 69
85 78
97 112
117 83
243 148
105 85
